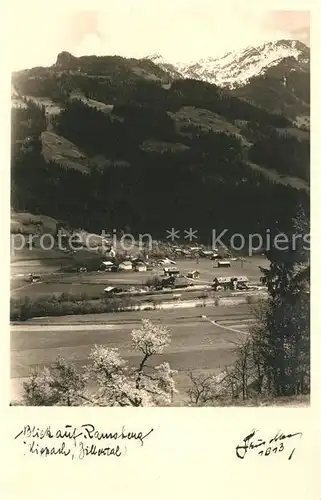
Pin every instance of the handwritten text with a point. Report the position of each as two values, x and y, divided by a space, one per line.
79 442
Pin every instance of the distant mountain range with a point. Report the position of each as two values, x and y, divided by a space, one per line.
274 75
237 68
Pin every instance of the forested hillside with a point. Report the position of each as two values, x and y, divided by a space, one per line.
153 162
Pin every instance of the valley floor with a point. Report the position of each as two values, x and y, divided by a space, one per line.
196 344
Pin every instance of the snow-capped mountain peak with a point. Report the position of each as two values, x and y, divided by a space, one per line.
166 65
156 58
235 69
238 67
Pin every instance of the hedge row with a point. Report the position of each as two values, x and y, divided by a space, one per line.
25 308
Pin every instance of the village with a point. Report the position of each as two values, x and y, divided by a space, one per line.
167 274
103 295
189 271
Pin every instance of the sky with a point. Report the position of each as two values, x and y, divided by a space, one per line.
178 31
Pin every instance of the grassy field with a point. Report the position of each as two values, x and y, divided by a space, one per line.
196 344
93 283
59 149
207 120
287 180
26 222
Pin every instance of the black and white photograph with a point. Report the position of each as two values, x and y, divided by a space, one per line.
160 207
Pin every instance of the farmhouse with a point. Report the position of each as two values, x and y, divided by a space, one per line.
109 266
175 282
125 266
221 280
223 263
171 271
225 282
106 265
110 290
193 274
206 253
136 260
231 282
140 267
241 279
167 262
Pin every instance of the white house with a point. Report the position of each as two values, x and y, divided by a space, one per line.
107 263
193 274
206 253
171 271
125 266
140 267
223 263
241 279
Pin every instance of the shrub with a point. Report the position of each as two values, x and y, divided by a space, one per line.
65 304
153 281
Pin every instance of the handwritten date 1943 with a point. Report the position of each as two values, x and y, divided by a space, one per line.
265 447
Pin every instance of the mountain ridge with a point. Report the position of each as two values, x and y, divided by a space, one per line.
236 68
112 126
274 75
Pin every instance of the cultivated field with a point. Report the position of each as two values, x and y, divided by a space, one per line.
196 345
54 281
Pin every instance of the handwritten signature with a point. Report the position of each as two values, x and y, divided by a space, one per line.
267 447
78 442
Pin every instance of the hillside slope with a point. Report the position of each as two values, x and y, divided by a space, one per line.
126 150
